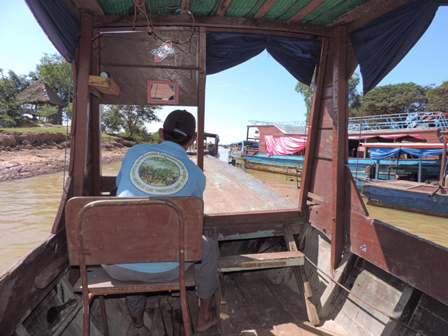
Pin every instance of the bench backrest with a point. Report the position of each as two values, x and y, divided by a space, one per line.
110 230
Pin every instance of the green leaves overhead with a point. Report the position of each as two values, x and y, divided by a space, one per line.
130 118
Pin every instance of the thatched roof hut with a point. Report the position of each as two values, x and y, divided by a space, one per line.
40 93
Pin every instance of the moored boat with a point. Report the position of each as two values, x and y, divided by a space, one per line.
408 196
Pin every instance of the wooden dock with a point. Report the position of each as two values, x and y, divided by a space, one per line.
229 189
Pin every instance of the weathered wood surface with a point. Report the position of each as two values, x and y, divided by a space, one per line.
129 60
102 284
244 262
105 85
160 245
229 190
250 315
417 262
417 187
18 293
248 24
301 278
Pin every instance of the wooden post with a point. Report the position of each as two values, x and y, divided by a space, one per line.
81 115
301 278
201 97
313 128
340 139
419 169
442 168
96 124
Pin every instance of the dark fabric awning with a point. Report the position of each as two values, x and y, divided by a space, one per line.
383 43
58 22
226 50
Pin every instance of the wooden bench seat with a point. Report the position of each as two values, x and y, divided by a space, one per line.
246 262
99 281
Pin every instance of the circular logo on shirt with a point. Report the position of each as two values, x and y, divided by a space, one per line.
158 174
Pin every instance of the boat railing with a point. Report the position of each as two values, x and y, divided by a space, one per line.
400 121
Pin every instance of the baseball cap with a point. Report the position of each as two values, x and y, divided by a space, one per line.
181 122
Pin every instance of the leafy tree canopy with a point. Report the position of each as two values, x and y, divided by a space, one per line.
438 98
130 118
10 86
393 99
307 92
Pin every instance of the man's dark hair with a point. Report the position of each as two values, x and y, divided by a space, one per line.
178 138
179 127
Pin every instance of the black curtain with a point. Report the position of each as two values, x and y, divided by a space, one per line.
380 45
60 25
226 50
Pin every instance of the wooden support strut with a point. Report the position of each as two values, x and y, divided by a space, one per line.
201 98
307 170
81 115
299 273
340 139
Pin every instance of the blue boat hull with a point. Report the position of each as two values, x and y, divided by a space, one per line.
406 200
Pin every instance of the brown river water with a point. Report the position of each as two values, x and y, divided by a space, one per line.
28 208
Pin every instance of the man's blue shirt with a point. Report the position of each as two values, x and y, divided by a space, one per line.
163 170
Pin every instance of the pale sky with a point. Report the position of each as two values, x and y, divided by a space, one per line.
259 89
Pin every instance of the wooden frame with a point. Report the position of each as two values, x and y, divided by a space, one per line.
174 101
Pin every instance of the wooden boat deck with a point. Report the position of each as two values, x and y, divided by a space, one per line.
230 190
418 187
248 312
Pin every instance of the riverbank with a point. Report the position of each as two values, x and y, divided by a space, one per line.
28 154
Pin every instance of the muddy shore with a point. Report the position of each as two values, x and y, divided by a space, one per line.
22 158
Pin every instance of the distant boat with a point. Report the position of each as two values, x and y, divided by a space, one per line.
408 196
280 147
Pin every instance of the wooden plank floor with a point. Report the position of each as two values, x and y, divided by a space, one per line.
258 307
229 189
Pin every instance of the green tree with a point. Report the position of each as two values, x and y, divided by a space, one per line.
307 92
10 87
396 98
54 71
130 118
438 98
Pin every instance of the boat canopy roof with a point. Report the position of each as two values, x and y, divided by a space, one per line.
381 34
380 151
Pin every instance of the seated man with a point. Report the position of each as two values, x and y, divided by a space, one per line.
165 170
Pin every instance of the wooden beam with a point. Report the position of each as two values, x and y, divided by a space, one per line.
265 8
249 218
223 6
311 151
82 113
90 6
248 24
247 262
367 12
340 145
301 278
185 7
201 98
96 145
306 10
